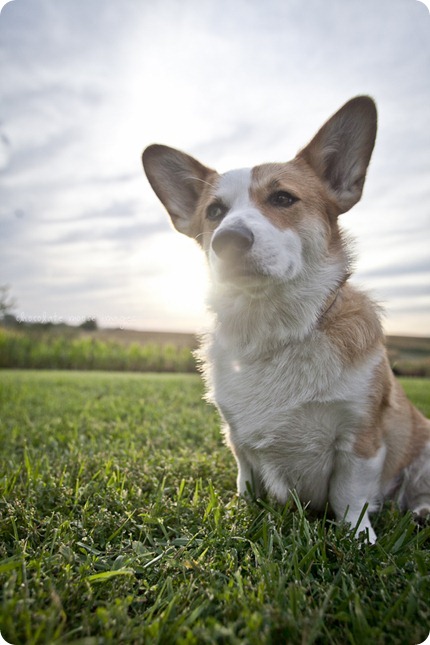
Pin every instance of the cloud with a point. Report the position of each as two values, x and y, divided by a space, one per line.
87 85
405 268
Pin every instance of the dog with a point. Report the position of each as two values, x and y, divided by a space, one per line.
296 362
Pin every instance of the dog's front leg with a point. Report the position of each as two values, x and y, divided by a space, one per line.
249 484
356 482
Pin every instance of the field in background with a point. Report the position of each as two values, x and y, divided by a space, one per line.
119 524
65 347
129 336
409 356
111 350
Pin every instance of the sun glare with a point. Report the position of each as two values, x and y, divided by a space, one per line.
184 282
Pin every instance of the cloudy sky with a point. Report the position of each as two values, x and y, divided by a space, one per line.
87 84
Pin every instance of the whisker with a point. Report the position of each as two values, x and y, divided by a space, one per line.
191 178
202 237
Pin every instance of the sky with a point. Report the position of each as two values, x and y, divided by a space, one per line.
86 85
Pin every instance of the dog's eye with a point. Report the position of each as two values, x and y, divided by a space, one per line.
216 211
282 198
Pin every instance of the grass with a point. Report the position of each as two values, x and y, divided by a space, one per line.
119 524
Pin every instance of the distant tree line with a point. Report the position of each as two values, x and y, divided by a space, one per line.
11 321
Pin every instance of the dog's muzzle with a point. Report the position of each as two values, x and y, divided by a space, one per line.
232 242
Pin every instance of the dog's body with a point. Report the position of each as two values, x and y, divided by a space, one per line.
296 363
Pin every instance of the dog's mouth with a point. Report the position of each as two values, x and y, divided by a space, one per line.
240 275
237 271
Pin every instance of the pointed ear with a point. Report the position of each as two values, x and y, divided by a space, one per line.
178 180
340 152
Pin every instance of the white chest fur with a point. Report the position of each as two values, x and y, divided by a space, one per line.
290 413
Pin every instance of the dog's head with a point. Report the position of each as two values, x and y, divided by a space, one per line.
275 221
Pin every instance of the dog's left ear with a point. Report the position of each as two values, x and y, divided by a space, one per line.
340 152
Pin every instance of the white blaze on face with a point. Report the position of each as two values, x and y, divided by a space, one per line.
275 253
234 189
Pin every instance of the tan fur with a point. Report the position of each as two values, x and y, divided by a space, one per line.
405 430
354 327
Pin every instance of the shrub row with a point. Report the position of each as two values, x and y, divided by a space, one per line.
21 350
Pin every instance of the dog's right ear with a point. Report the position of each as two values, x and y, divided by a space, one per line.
178 180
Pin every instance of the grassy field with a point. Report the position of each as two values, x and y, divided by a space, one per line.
119 524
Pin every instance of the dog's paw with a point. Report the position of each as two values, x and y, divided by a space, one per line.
367 532
421 514
362 528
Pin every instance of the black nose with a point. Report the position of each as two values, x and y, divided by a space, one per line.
232 241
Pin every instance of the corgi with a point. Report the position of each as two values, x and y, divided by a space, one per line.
296 362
